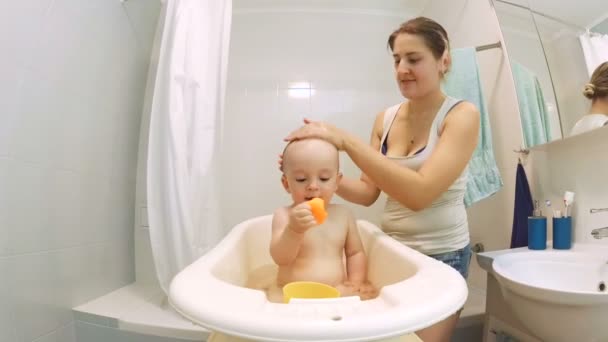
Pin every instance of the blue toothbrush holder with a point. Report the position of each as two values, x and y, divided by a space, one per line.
537 232
562 232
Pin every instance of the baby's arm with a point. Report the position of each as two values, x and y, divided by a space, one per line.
356 261
288 228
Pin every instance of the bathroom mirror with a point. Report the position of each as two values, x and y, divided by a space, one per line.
547 61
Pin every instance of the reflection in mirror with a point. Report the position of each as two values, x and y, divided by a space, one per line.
571 38
538 106
574 50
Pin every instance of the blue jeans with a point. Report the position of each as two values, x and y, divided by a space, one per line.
459 260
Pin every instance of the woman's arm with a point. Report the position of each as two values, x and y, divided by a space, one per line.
413 189
363 191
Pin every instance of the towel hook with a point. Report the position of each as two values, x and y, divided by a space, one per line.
521 151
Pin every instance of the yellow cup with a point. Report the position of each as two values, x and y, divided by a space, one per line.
308 290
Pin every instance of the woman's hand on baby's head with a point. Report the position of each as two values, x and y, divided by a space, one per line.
301 218
321 130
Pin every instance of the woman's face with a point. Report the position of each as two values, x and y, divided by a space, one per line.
417 70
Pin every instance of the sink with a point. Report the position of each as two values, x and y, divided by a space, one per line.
558 295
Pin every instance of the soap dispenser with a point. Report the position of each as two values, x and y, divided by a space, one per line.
537 229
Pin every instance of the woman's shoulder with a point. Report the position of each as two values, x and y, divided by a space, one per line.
386 114
464 109
465 106
463 115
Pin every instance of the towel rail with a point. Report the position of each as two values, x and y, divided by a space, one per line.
488 46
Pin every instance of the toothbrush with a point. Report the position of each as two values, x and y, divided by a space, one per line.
556 212
568 200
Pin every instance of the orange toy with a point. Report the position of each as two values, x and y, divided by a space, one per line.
317 206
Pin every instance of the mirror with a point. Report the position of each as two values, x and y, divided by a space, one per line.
548 62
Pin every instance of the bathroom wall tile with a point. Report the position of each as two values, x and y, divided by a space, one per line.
66 333
143 15
40 310
125 137
96 214
121 211
63 196
145 271
52 209
63 334
293 109
39 132
50 337
71 277
326 103
11 89
116 267
96 333
18 36
27 210
88 45
5 199
7 327
56 129
245 112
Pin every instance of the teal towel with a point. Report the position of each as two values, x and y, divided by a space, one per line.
532 107
463 82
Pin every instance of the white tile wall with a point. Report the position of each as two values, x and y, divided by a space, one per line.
19 35
66 333
95 333
72 78
7 329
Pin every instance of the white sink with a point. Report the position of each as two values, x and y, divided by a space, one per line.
558 295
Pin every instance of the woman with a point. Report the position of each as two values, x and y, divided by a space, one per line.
426 143
596 91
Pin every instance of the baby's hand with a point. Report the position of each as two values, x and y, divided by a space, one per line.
364 290
368 291
347 289
301 218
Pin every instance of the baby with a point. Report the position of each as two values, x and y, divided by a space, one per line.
303 249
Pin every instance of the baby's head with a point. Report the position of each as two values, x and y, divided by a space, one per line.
311 168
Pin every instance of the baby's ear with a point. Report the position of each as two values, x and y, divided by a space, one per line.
285 183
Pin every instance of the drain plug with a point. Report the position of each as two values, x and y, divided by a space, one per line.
601 286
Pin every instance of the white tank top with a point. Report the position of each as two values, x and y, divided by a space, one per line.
443 226
589 122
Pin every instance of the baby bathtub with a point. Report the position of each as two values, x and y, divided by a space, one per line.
416 292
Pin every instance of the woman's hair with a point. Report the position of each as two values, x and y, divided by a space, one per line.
434 35
598 84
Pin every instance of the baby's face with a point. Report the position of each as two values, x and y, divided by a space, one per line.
311 170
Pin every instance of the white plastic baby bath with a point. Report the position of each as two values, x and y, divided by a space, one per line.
416 291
